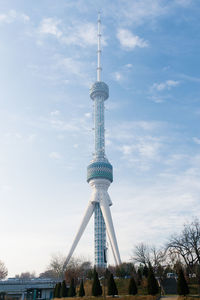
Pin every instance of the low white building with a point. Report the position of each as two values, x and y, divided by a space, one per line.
29 289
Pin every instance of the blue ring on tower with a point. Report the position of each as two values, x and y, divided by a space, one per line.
99 88
100 170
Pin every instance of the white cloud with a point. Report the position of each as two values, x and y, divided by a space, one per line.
72 66
129 12
64 126
135 126
13 16
55 113
117 76
55 155
196 140
88 115
168 84
129 66
137 12
190 78
129 41
145 147
81 34
75 69
50 26
156 99
183 2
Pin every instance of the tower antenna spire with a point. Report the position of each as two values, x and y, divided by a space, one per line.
99 69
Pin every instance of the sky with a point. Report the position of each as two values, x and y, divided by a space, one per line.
151 63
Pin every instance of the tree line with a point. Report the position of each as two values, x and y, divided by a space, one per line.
61 290
181 252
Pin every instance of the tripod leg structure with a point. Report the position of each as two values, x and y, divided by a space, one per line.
110 228
99 195
86 218
115 259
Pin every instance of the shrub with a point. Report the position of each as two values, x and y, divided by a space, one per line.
132 288
64 290
152 284
81 290
96 286
112 288
182 287
72 290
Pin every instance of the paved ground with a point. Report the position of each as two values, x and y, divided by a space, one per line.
174 297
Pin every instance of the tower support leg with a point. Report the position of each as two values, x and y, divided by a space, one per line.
86 218
110 228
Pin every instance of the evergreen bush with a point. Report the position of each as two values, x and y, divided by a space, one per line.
182 286
64 290
81 290
96 286
58 290
152 284
132 288
145 271
112 288
55 291
72 289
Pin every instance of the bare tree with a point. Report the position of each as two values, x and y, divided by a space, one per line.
144 254
26 275
57 266
3 270
186 245
141 254
48 274
77 268
157 256
57 269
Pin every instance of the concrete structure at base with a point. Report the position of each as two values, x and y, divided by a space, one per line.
29 289
99 176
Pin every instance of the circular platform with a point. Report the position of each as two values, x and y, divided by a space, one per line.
100 170
99 88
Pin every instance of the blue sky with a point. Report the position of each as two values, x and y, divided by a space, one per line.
48 62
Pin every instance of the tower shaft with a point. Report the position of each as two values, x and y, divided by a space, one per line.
99 176
99 128
99 238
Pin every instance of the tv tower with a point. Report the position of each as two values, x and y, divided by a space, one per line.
99 176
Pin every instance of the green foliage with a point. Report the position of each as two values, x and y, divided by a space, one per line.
96 286
64 290
125 269
182 287
112 288
132 288
81 290
152 284
72 289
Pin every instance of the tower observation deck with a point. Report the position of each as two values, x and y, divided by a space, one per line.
99 176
